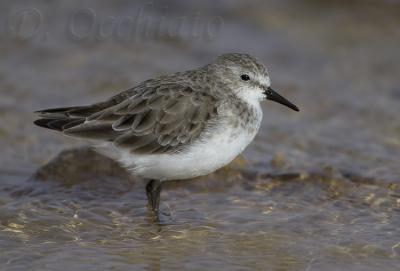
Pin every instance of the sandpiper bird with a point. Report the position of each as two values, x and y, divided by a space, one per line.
178 126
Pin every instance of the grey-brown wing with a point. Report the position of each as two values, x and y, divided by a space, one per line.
63 118
156 119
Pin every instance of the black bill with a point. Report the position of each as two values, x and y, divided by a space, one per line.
274 96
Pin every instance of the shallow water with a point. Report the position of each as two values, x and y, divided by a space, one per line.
319 190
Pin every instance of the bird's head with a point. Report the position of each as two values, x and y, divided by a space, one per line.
247 78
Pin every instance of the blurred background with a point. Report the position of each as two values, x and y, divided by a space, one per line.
336 206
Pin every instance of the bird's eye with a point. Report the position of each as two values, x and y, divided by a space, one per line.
245 77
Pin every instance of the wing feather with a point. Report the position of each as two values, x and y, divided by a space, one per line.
151 118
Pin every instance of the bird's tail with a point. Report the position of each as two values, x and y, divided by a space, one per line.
60 119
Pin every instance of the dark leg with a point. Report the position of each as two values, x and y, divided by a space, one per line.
153 190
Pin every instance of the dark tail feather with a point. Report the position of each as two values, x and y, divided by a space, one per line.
75 111
59 124
57 110
62 118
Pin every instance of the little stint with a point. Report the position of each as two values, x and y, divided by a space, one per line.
178 126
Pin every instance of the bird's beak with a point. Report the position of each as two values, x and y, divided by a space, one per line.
274 96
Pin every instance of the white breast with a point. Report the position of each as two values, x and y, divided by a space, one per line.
200 159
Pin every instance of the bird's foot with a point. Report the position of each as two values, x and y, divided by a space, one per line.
153 190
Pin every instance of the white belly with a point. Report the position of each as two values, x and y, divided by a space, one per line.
200 159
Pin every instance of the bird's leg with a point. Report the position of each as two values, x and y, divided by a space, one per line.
153 190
